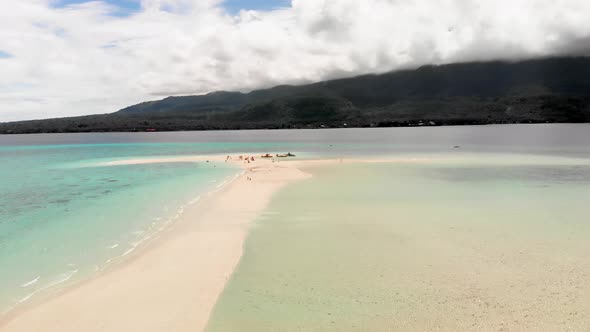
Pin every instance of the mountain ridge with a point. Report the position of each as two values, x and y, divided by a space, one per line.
555 89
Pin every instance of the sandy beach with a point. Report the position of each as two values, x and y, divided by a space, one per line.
469 273
173 282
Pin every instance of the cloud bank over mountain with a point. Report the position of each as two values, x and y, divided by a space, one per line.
93 57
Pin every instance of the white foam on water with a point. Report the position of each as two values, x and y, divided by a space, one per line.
64 277
128 251
198 198
156 227
226 182
31 282
27 297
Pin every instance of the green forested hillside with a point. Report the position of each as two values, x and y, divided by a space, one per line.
536 91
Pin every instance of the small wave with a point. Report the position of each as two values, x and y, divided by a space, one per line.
128 251
28 296
30 283
59 280
224 183
159 224
198 198
62 278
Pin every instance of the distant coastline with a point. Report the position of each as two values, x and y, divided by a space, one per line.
550 90
388 124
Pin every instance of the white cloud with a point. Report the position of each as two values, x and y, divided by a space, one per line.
82 60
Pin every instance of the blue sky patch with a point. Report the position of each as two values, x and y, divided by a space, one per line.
127 7
5 55
124 4
234 6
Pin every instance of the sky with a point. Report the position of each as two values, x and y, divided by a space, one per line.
75 57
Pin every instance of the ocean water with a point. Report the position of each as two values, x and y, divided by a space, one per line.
64 218
464 242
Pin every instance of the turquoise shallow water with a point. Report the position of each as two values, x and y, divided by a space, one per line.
469 242
62 217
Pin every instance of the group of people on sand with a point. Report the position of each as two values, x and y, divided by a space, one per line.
242 158
249 159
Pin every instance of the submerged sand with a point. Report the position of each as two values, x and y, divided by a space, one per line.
173 283
446 274
392 247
